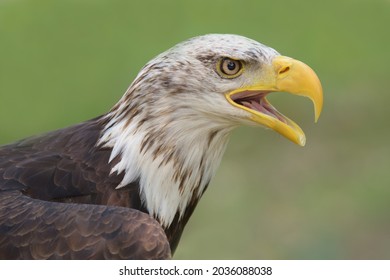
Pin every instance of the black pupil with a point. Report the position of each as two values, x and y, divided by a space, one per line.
231 65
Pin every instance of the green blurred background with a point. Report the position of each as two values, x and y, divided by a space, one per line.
62 62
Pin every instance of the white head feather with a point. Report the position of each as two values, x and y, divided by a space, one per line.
172 125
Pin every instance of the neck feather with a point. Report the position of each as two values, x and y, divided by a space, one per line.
173 154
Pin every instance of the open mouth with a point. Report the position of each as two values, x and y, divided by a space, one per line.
256 101
262 112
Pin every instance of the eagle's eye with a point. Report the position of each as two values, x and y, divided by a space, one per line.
229 68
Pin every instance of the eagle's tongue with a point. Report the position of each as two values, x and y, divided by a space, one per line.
264 107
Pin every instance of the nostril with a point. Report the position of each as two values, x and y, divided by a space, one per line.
284 69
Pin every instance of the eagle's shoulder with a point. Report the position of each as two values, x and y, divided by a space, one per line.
64 165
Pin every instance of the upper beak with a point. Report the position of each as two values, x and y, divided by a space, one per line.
287 75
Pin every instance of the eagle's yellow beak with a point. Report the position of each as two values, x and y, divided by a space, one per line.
287 75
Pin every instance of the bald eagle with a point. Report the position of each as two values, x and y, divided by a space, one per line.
123 185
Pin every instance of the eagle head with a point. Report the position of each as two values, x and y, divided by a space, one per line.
171 126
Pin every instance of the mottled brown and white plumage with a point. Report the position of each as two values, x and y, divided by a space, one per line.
123 185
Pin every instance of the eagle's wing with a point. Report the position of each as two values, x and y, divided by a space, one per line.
58 200
36 229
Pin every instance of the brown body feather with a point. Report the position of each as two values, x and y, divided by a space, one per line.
58 200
